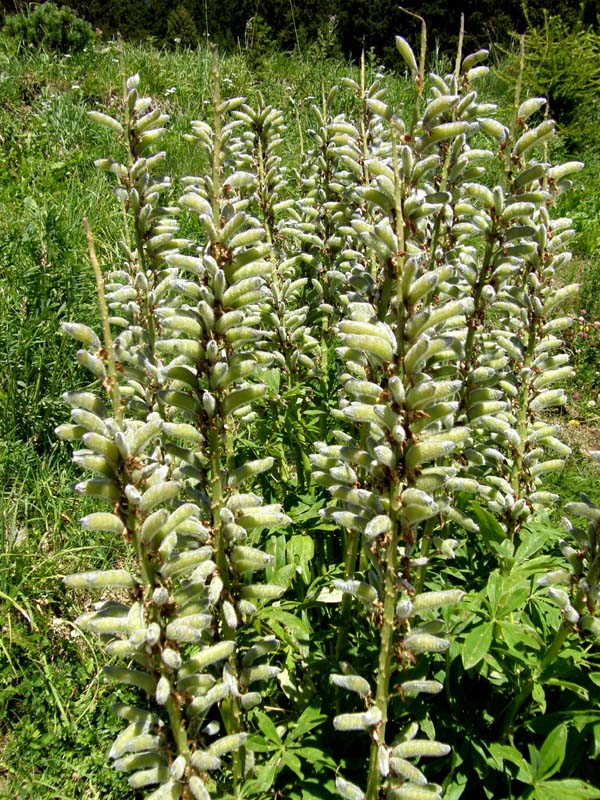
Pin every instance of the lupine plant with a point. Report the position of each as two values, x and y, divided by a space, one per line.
405 293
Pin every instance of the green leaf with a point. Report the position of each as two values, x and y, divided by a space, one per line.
506 752
579 690
539 696
531 542
300 551
552 753
310 718
489 527
476 644
293 762
267 728
515 597
494 591
568 789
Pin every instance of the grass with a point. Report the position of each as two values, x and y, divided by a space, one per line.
55 726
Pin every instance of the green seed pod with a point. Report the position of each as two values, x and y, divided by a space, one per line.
348 791
82 333
548 398
260 649
440 105
407 54
531 106
493 128
204 761
447 130
561 171
429 450
361 591
94 463
163 690
183 563
171 658
107 121
142 720
416 748
147 777
101 579
70 433
406 770
353 683
103 521
378 526
182 633
90 421
263 672
159 493
250 470
535 136
131 677
431 600
360 721
198 788
425 643
92 363
228 744
234 294
134 761
379 108
206 657
262 591
102 445
590 624
242 397
247 559
421 687
228 320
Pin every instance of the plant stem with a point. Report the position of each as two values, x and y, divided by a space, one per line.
386 646
351 549
113 384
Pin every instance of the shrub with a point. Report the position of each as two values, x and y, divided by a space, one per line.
321 425
55 29
181 28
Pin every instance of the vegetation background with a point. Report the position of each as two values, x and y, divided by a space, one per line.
55 721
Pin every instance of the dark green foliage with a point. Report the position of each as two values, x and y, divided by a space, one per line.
181 28
359 23
56 29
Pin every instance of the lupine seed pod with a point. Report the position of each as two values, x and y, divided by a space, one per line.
360 721
148 777
206 657
228 744
159 493
353 683
107 579
417 748
205 761
531 106
407 54
198 788
103 521
132 677
425 643
421 687
534 137
347 790
250 470
358 589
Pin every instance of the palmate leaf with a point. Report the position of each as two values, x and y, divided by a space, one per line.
477 644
